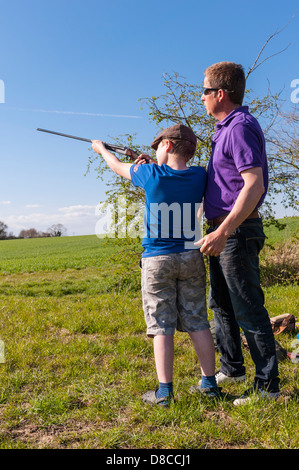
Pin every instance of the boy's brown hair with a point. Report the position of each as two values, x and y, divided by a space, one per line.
183 148
230 77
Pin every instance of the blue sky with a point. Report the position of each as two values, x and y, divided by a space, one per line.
80 67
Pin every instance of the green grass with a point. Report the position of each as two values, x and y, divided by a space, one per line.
77 360
289 232
32 255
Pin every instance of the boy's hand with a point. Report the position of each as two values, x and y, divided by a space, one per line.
98 146
144 158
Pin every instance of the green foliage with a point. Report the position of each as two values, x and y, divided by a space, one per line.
181 103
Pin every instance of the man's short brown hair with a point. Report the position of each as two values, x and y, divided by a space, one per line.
230 77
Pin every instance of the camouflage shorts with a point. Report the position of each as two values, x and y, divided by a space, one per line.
174 293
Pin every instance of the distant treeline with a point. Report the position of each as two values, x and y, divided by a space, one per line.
56 230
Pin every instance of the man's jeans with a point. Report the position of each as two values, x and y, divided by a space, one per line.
237 300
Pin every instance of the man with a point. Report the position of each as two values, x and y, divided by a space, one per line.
236 187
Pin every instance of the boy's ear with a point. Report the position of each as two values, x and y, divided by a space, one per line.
168 144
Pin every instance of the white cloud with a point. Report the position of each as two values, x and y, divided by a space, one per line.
78 220
5 202
78 209
32 206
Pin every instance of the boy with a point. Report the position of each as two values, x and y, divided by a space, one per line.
173 273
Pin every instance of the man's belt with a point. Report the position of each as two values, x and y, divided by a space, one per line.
219 220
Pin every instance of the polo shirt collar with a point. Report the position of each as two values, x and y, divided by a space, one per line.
232 115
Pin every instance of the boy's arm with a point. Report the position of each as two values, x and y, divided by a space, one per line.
120 168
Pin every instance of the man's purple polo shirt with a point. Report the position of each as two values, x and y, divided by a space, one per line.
238 144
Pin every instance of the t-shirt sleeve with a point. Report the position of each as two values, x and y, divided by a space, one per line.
140 174
246 147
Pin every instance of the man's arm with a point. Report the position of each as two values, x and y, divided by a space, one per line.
213 243
120 168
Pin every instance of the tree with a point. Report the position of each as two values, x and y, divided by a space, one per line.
57 230
30 233
181 103
3 231
283 156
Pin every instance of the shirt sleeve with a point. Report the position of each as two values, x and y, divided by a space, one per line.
140 174
246 147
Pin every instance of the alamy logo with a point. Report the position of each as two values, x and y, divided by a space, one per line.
295 93
166 221
2 92
120 220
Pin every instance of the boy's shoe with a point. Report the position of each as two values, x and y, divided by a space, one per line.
221 378
255 394
211 392
150 397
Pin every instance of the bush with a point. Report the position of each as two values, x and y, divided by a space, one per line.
280 265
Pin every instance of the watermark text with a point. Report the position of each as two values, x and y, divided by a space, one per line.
164 221
295 92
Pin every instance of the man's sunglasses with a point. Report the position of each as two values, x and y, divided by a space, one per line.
206 91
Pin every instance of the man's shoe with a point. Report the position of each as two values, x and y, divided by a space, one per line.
255 394
221 378
150 397
211 392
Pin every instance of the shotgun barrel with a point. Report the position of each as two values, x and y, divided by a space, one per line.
114 148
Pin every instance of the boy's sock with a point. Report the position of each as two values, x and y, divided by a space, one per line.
164 390
208 381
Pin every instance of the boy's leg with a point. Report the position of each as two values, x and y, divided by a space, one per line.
205 351
193 317
160 309
204 347
164 356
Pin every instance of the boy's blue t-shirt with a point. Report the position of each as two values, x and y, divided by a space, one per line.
173 199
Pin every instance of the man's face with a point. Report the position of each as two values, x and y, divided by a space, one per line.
210 100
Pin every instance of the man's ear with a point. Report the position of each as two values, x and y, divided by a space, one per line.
220 95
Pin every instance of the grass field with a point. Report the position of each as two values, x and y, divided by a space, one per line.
77 359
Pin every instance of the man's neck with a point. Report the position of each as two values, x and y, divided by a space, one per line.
226 111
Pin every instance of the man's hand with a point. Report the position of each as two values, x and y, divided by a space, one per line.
213 243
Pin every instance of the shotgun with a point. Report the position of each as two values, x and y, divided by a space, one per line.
114 148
